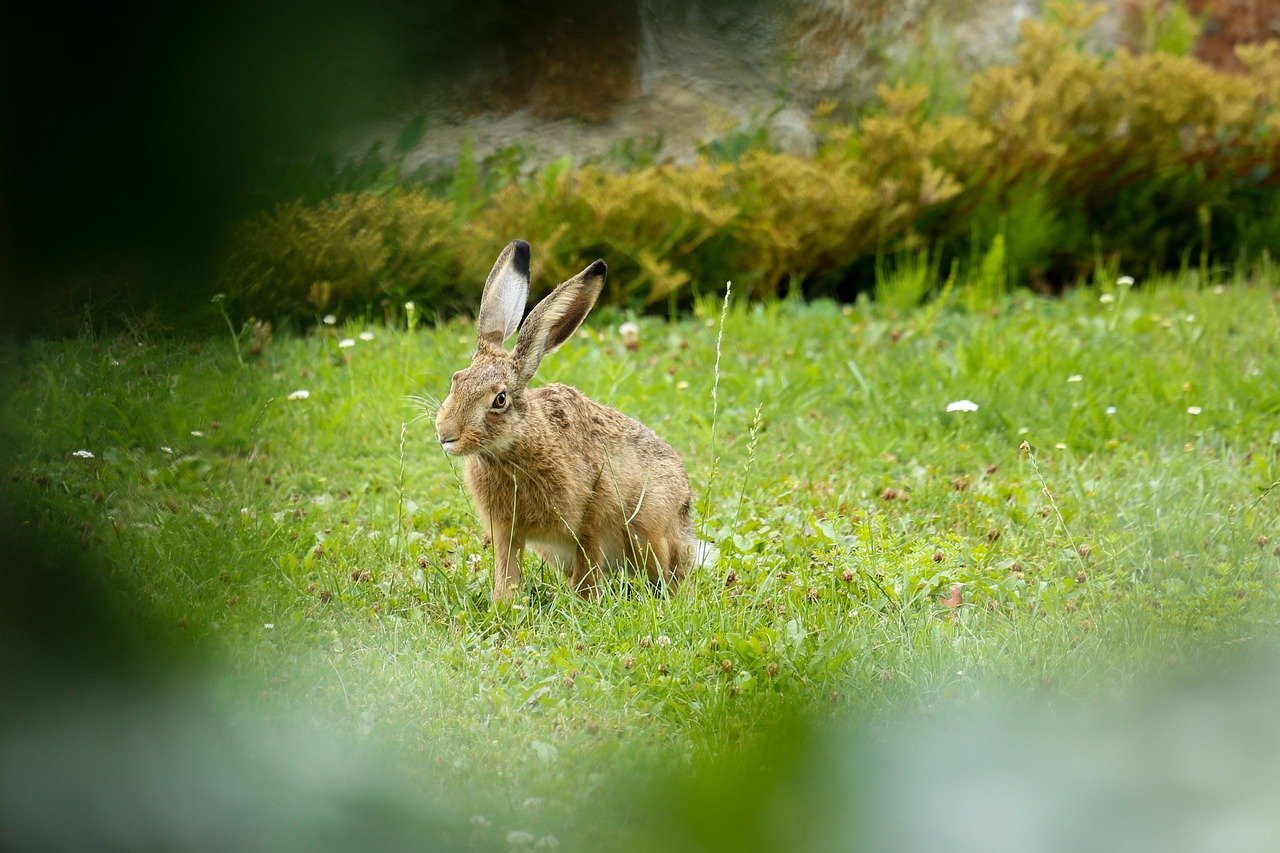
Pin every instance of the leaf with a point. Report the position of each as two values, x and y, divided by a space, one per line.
546 753
411 135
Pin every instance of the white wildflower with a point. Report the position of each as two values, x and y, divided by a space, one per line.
1107 298
268 625
164 448
330 320
1219 289
479 820
1194 410
519 838
300 394
663 640
629 330
197 433
410 307
1075 377
1125 281
682 384
83 454
962 406
1060 446
1111 410
366 336
346 342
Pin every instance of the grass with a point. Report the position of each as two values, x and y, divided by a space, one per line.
879 556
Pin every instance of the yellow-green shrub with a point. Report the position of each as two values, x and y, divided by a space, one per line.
1062 155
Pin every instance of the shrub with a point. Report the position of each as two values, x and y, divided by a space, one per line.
1059 160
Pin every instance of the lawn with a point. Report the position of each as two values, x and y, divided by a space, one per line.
1107 513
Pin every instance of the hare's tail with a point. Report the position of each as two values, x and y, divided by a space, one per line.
705 554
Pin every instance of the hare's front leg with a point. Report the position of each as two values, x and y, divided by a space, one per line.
507 556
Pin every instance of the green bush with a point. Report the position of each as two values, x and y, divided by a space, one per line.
1058 161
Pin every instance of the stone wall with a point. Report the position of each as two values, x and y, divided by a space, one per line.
566 78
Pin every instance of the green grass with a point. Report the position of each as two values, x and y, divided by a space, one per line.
325 550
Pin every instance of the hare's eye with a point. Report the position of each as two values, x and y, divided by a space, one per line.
501 400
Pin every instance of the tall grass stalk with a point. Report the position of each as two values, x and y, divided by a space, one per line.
715 413
1025 447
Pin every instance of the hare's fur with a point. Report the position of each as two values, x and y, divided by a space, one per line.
588 488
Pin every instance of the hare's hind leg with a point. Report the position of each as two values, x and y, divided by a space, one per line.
679 553
663 562
587 565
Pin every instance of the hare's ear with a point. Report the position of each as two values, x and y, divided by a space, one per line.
556 317
505 292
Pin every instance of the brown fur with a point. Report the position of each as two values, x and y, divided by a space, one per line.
587 487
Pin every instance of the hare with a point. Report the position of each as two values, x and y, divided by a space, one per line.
590 489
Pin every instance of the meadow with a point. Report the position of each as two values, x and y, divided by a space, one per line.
914 509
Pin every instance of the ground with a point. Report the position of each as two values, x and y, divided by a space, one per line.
1106 513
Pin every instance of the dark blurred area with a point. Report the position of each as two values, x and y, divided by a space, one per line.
132 134
115 735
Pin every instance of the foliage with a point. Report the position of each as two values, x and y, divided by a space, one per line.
1065 156
324 547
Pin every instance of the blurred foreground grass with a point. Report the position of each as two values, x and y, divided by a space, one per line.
881 559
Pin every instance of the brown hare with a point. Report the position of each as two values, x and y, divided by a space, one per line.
588 488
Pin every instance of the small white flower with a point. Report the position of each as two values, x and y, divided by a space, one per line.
1075 377
1060 446
519 838
962 406
410 307
1219 289
300 394
197 433
83 454
1111 410
1107 298
346 342
1194 410
1023 430
366 336
479 820
1191 318
629 330
547 842
330 320
682 384
269 625
473 560
663 640
165 449
1125 281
